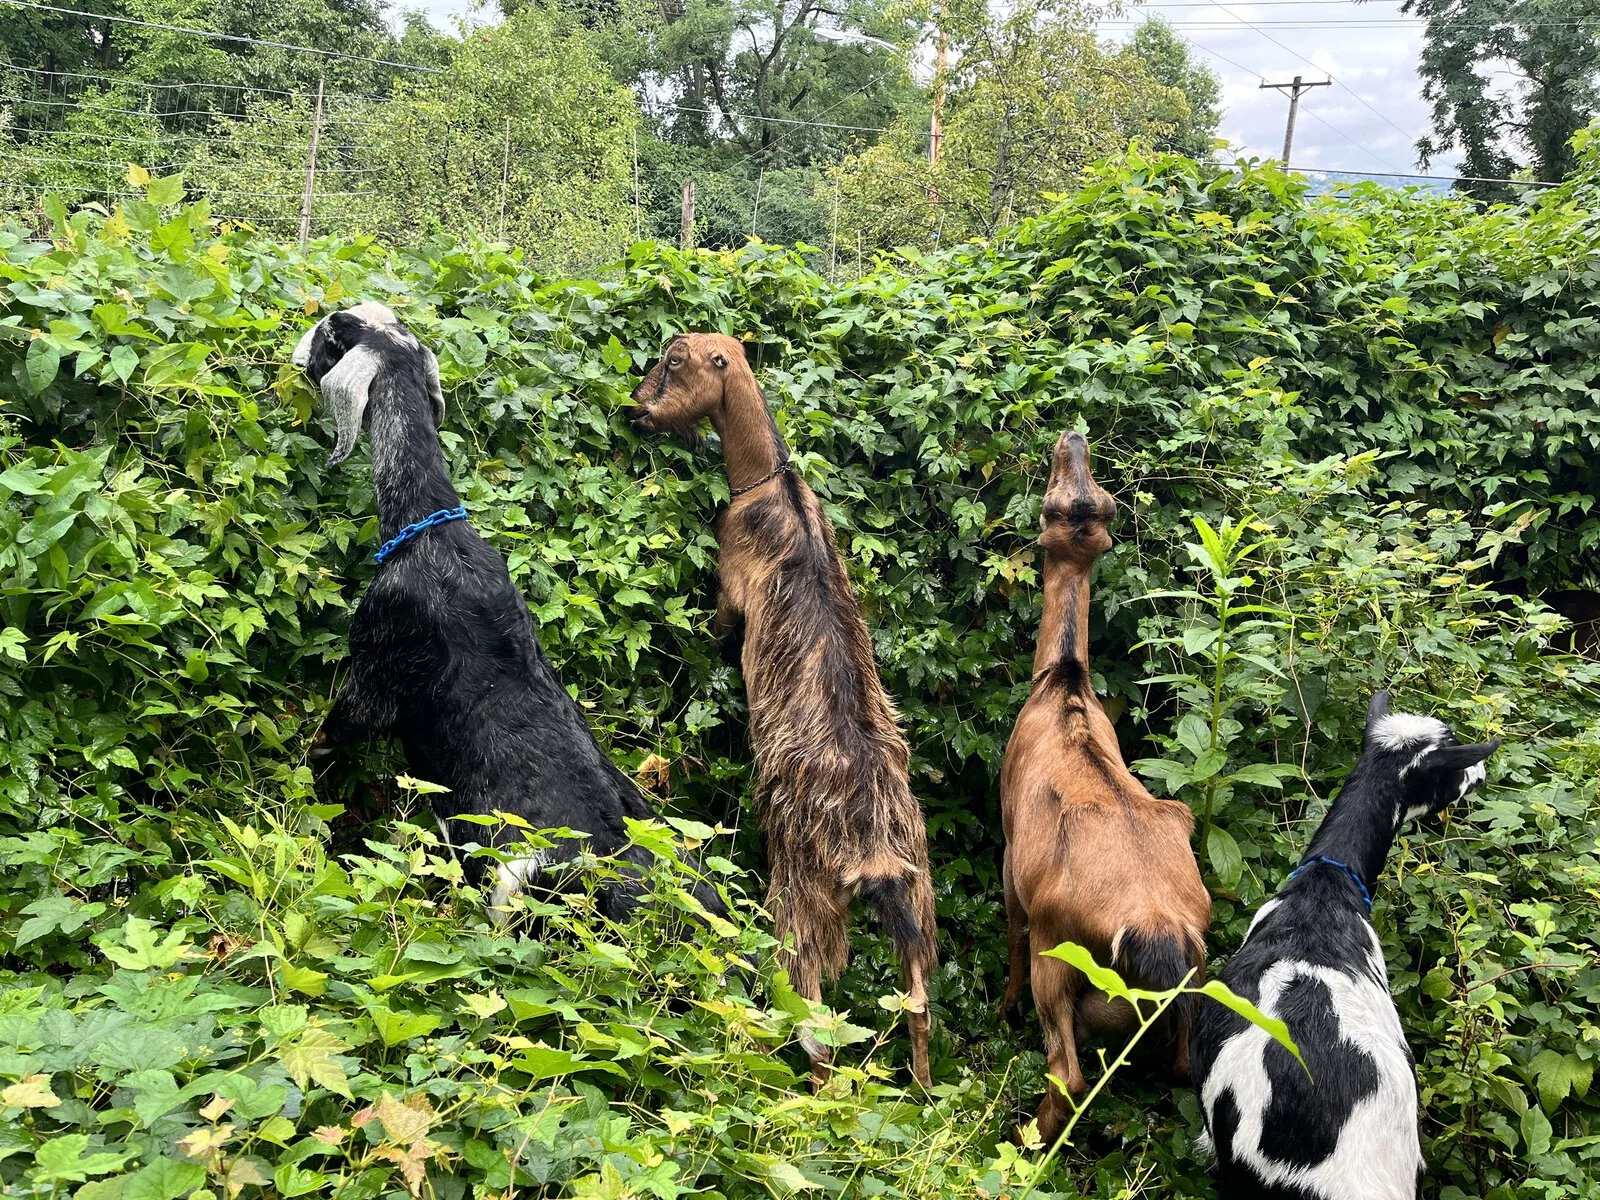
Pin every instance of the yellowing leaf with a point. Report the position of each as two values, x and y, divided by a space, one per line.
137 175
33 1092
311 1060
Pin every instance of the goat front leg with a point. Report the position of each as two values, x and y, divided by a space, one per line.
1016 943
362 708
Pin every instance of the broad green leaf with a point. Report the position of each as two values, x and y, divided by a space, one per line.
1223 852
164 1179
164 191
143 947
42 362
311 1060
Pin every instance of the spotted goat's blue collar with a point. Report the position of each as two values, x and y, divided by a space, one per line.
416 528
1355 875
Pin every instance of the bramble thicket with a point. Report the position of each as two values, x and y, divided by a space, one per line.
1354 440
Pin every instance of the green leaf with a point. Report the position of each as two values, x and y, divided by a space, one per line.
164 1179
311 1060
544 1062
1559 1076
12 641
297 1181
1536 1132
304 980
143 948
1104 978
1226 861
51 913
42 362
124 361
1276 1029
164 191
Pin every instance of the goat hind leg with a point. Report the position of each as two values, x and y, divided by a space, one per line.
1055 995
1016 944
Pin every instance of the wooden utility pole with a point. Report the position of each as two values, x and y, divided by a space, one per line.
935 123
638 226
686 220
311 168
1294 89
505 176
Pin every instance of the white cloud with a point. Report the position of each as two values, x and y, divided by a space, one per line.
1334 38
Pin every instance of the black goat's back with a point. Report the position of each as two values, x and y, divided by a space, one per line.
479 708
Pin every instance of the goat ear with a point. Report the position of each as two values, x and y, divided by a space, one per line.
1376 711
430 364
346 387
1459 758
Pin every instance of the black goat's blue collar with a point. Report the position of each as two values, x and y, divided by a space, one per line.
416 528
1355 875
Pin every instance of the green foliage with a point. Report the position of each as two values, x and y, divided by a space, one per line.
1501 130
1370 416
1033 97
1194 92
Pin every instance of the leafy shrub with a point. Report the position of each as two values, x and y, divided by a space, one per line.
1377 406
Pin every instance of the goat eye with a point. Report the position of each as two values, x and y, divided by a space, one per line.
674 362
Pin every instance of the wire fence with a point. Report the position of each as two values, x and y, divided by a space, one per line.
421 162
304 164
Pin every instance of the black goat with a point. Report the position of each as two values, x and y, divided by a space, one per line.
442 649
1348 1131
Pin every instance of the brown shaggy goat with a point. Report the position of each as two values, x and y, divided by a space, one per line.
831 783
1091 857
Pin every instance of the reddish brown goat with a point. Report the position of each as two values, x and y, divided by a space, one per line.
1091 857
831 763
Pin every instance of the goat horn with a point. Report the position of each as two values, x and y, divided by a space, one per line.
346 387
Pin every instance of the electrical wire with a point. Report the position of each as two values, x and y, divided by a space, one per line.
223 37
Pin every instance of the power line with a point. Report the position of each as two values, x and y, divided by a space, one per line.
124 81
1534 183
1309 63
223 37
1360 23
733 116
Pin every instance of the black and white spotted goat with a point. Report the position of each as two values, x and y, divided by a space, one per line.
1312 959
442 649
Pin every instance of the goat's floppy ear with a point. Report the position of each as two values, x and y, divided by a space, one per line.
346 386
1376 711
430 363
1459 758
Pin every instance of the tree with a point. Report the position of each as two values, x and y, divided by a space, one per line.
1033 96
1192 103
1553 54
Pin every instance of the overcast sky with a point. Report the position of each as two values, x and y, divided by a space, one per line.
1369 120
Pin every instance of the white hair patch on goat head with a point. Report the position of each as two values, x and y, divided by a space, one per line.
1377 1153
1401 731
374 313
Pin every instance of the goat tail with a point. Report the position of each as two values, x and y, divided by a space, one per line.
1160 960
893 898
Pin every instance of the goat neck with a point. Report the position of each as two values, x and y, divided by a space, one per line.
1360 827
408 469
752 448
1073 534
